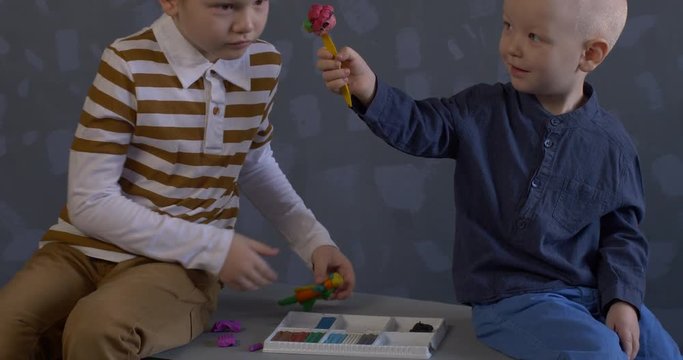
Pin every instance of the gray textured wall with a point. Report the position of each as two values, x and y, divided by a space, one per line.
391 213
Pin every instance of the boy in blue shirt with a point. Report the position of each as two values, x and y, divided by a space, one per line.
548 194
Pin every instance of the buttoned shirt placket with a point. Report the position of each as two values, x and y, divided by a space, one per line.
555 130
215 114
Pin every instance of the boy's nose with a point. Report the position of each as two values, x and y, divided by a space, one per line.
244 23
513 47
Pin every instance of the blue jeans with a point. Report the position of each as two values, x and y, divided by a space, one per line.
565 324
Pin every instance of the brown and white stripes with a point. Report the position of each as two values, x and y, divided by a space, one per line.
138 111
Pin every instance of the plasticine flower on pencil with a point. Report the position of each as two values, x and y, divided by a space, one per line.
320 21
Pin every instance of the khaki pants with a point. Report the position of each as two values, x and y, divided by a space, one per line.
65 304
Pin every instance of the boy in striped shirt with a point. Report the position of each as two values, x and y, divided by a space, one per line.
174 127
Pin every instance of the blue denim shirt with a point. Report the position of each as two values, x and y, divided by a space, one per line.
543 202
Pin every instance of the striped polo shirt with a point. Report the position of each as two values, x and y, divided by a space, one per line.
161 141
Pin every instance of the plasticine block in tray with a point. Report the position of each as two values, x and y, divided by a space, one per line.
356 335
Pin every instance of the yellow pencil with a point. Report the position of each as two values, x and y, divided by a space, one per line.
329 45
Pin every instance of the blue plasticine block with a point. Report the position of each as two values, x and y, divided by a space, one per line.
326 322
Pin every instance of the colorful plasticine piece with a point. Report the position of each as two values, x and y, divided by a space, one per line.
307 295
320 21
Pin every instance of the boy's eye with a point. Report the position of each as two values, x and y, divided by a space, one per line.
225 6
534 37
506 25
259 2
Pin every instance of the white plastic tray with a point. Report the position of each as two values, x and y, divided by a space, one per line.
391 336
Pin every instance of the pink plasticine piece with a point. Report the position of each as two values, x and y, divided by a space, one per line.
255 347
322 18
226 326
226 340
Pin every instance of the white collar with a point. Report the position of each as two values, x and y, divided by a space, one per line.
190 65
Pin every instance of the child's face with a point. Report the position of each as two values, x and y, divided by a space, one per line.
541 46
219 29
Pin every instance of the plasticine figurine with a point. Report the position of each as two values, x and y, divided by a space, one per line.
307 295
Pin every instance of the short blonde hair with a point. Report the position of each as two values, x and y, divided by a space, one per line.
602 18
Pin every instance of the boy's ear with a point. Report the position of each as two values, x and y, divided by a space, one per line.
170 7
594 53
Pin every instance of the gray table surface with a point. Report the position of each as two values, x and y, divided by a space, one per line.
260 315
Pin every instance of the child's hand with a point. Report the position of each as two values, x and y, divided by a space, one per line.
354 71
327 259
622 318
244 268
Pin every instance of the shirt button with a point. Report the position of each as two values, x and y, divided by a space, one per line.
555 121
522 223
535 183
215 110
548 143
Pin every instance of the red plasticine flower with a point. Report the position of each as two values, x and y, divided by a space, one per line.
320 19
